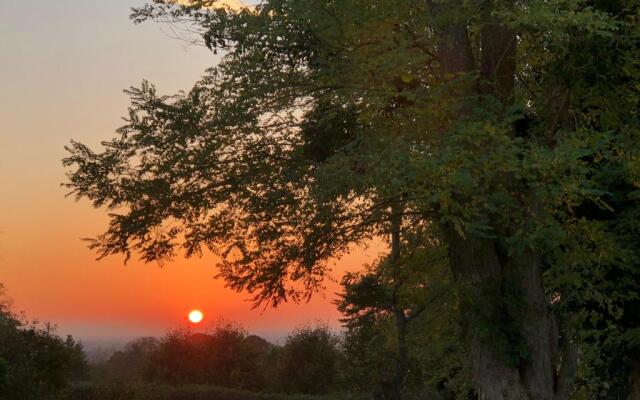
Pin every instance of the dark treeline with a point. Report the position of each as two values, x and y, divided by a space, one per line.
361 361
35 363
307 363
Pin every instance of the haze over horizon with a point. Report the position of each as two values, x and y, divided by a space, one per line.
65 64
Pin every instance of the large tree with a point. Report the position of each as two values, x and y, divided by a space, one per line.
329 123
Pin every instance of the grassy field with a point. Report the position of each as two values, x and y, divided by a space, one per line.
116 391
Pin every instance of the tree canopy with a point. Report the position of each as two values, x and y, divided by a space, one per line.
510 128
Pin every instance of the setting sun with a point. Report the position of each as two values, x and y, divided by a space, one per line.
196 316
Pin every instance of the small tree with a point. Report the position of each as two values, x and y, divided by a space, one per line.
309 361
224 356
133 362
400 316
35 363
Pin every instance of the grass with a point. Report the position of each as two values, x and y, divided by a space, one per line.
145 391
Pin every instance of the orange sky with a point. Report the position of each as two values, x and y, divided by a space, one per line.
63 66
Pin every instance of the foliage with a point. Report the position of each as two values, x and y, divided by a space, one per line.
132 363
597 269
423 288
35 363
309 361
225 356
326 121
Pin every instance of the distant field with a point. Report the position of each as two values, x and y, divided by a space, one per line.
115 391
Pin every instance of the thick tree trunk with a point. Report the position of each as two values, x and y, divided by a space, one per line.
537 326
485 277
498 60
568 367
484 270
478 271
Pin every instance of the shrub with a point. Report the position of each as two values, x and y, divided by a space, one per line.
35 363
309 361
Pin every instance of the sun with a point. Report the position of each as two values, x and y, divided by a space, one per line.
196 316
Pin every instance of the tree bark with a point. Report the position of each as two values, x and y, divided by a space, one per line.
402 360
634 382
478 272
483 275
399 315
484 270
568 367
537 327
498 60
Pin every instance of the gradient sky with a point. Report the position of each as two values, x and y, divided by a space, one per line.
63 66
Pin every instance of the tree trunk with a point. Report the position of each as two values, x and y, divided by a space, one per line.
402 360
634 382
399 315
490 277
568 366
537 326
478 272
485 278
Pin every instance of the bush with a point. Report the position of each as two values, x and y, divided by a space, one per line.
309 361
225 356
35 363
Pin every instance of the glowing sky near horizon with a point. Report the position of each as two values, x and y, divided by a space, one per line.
63 66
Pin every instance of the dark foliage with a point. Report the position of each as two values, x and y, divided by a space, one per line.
309 361
35 363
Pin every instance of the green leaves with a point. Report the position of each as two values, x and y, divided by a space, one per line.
323 115
34 361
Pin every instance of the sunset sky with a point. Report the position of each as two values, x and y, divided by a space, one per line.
63 66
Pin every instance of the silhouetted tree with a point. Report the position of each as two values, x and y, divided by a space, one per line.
133 362
309 361
35 363
225 356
